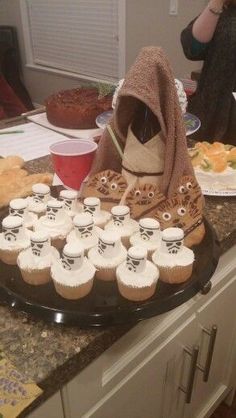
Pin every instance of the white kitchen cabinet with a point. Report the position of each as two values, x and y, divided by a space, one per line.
146 372
51 408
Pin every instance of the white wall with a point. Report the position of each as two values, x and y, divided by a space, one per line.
148 23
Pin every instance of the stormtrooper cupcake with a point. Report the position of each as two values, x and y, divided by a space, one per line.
70 200
137 277
107 255
174 260
84 231
122 223
92 205
37 202
73 274
13 239
149 235
35 262
56 223
19 207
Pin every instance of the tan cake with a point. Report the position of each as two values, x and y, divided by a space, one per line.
173 259
148 236
76 108
35 262
137 277
56 223
84 231
19 207
73 274
37 203
92 205
108 186
13 239
70 201
122 223
107 255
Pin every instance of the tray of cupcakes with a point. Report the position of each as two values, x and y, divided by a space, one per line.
71 262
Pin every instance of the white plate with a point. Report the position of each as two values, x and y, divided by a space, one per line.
217 185
192 123
41 119
103 118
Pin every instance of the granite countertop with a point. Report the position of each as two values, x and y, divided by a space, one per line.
66 350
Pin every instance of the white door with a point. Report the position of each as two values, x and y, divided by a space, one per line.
151 390
216 332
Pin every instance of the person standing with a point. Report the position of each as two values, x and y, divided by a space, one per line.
211 37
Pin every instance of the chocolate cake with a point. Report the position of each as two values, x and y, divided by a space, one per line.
76 108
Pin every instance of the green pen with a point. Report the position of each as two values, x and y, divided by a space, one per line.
11 132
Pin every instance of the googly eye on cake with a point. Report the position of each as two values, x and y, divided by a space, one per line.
71 204
108 186
122 223
92 205
136 276
84 231
107 255
73 273
173 259
35 262
37 203
19 207
56 223
148 235
13 239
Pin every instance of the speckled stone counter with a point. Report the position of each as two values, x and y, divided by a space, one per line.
53 354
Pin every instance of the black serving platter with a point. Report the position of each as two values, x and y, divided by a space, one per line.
104 306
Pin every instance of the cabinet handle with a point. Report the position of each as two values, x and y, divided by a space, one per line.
189 388
206 369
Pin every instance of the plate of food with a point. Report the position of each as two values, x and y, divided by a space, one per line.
192 123
103 119
215 168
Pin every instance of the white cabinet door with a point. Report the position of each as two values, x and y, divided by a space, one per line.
217 315
51 408
148 390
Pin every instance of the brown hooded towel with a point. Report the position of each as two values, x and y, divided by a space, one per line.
150 83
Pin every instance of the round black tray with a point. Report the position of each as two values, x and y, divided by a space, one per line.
104 306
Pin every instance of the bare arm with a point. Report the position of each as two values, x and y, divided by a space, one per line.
204 26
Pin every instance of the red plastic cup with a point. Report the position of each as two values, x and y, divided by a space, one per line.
72 160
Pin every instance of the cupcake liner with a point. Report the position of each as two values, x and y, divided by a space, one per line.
136 294
9 257
177 274
36 277
106 274
75 292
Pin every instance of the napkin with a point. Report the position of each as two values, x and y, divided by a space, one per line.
16 390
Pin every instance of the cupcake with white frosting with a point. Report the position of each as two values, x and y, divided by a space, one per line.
84 231
37 203
137 277
35 262
73 274
19 207
71 203
56 223
174 260
148 236
122 223
92 205
107 255
13 239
